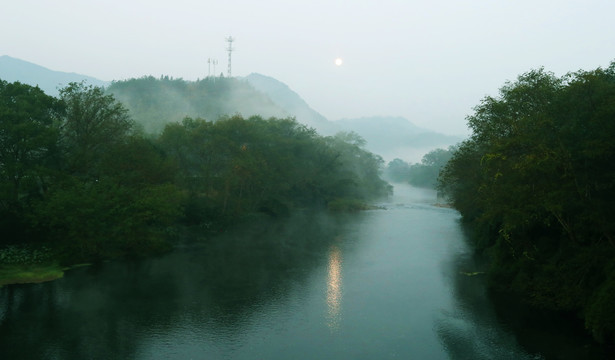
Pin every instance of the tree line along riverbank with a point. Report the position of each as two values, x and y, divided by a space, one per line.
80 181
534 182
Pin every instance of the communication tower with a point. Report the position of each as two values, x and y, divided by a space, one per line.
211 62
230 49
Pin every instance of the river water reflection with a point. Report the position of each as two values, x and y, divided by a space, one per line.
334 287
380 284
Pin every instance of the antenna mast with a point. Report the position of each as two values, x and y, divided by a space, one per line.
230 49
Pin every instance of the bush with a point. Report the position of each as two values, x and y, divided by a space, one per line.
25 255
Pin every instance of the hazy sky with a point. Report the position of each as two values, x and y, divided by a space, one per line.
429 61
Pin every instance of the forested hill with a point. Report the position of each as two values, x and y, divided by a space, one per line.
290 101
155 102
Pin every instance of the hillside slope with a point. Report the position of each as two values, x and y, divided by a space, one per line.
12 69
390 136
283 96
396 137
154 102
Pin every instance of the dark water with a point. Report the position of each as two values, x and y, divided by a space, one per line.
381 284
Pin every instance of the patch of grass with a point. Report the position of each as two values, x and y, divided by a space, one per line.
26 264
19 274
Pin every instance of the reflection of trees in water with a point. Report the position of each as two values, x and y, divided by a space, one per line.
254 266
107 311
470 331
491 326
81 317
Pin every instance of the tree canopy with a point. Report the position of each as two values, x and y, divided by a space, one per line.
28 149
236 166
536 182
93 124
424 174
76 172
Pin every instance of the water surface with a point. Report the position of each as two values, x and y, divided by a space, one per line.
380 284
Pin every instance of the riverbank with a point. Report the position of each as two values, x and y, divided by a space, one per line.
29 264
32 274
315 284
41 262
17 274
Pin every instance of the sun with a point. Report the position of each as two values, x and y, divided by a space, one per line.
339 61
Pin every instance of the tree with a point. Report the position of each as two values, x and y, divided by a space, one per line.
94 123
535 182
424 174
398 170
236 166
28 134
114 193
358 172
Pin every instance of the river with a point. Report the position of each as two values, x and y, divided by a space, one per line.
394 283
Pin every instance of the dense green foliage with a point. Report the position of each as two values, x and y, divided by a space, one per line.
424 174
238 166
77 175
536 182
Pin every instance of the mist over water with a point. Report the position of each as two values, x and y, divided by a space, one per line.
380 284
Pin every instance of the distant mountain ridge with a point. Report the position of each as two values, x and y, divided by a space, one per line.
396 137
395 129
153 102
291 102
12 69
389 136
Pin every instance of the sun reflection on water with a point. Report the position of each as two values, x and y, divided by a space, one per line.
334 288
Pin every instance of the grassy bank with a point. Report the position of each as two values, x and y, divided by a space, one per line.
23 264
24 274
